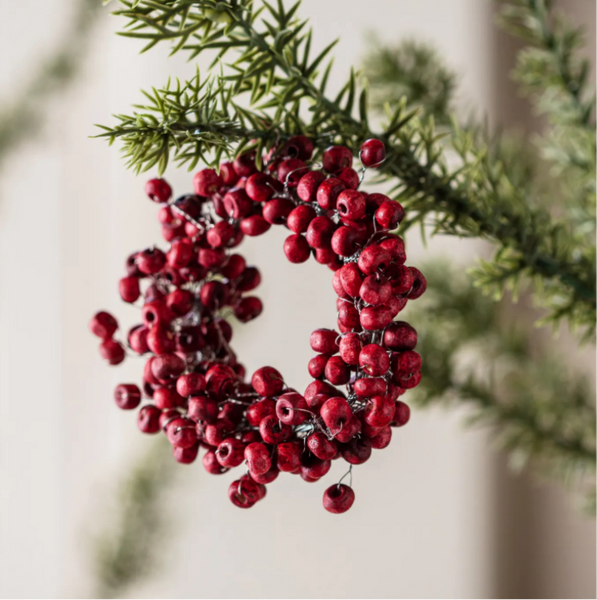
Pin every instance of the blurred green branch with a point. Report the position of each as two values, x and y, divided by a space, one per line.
22 117
125 550
536 407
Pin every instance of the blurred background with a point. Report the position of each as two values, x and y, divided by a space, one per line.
438 514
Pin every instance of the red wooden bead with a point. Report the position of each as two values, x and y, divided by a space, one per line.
158 190
320 231
328 192
296 248
258 458
230 453
148 419
338 498
127 396
248 308
337 371
291 408
299 218
259 187
308 185
400 336
267 381
336 158
324 341
373 153
351 205
112 351
207 182
321 447
190 384
103 325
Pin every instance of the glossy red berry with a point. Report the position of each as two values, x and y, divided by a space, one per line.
373 153
158 190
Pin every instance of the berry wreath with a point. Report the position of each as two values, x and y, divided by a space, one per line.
193 382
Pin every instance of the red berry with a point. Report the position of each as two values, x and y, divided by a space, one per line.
190 384
382 439
277 210
148 419
373 153
351 278
248 308
375 317
373 259
291 171
158 190
254 225
375 290
371 386
237 204
249 280
324 341
338 498
357 451
317 366
103 325
228 174
230 453
151 261
299 218
267 381
244 165
350 348
201 408
351 205
379 412
349 177
308 185
291 408
288 457
335 413
272 431
321 447
400 336
374 360
402 414
346 241
328 193
181 432
127 396
395 246
112 351
336 158
298 146
337 371
419 284
258 458
211 464
259 187
296 248
207 182
185 456
389 214
320 231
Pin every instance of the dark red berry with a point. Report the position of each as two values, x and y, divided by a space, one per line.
373 153
338 498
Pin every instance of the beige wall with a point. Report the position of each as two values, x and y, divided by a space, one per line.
424 524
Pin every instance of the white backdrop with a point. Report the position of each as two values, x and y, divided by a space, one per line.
70 214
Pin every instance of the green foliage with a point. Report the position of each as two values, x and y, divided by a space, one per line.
536 407
23 117
125 551
412 70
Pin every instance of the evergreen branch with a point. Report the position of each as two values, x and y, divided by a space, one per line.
475 199
537 409
125 550
411 70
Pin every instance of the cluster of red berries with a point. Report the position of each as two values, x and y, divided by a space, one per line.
193 381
